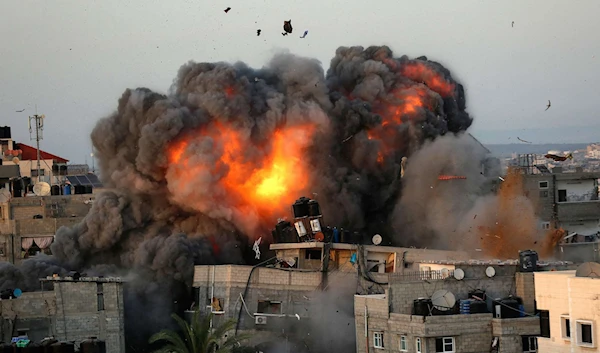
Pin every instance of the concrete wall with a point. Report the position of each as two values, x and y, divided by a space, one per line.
543 199
579 252
552 294
525 288
404 292
578 211
585 227
60 206
511 331
578 190
68 312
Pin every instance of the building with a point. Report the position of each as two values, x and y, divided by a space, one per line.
394 321
294 303
568 301
68 310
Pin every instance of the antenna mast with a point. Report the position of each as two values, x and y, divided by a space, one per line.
39 135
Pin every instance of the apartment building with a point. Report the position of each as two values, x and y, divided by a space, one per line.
569 310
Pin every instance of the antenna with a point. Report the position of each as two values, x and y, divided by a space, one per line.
443 300
377 239
459 274
39 128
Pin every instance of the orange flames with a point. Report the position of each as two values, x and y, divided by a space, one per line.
420 72
256 183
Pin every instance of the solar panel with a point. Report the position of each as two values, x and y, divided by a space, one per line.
73 180
83 180
94 180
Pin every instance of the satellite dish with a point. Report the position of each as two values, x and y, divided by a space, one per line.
377 239
4 195
459 274
15 160
445 272
41 189
490 271
588 269
17 293
443 300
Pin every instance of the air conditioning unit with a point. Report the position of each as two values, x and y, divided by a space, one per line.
260 320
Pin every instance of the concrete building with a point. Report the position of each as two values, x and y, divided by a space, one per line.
389 323
68 310
28 224
570 313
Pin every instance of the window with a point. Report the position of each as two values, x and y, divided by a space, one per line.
543 184
545 225
269 307
403 344
312 254
444 344
562 195
378 339
529 344
418 345
100 295
216 305
34 172
543 193
565 323
545 323
585 336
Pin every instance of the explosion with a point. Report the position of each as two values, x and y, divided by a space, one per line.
193 176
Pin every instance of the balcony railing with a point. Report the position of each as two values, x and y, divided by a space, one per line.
421 275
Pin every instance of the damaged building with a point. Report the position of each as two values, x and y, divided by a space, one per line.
68 309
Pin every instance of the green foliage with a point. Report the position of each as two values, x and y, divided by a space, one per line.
197 337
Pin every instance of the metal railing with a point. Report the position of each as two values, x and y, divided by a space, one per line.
421 275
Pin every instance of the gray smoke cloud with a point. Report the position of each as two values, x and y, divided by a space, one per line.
161 216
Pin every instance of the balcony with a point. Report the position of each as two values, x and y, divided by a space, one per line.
578 211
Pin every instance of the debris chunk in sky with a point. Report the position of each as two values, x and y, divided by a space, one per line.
559 158
287 26
549 105
520 139
227 9
258 32
305 34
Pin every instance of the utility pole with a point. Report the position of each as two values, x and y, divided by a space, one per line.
39 128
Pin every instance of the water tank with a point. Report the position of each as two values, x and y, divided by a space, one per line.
55 190
79 189
31 348
344 236
89 189
92 345
314 210
63 347
478 307
300 207
465 306
477 294
336 235
528 261
47 344
506 308
67 190
6 348
422 307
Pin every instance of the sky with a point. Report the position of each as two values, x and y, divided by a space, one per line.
73 59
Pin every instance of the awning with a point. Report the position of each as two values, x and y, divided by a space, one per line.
85 180
9 171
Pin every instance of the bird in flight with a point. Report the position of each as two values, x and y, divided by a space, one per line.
548 106
20 111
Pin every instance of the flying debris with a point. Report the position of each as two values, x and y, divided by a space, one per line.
403 166
287 26
298 317
501 178
513 24
256 249
520 139
258 32
227 9
347 139
548 106
451 177
559 158
20 111
284 34
305 34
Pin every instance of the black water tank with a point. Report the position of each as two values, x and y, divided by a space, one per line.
47 344
508 308
92 345
314 210
528 261
55 190
6 348
89 189
63 347
478 307
477 294
79 189
345 236
422 307
31 348
300 207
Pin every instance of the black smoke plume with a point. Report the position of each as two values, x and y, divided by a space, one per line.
152 225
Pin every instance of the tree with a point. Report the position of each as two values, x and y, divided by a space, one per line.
197 337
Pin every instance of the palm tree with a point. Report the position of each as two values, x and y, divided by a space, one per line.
198 337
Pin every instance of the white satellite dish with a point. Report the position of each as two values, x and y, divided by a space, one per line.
15 160
445 272
443 300
490 271
4 195
377 239
459 274
41 189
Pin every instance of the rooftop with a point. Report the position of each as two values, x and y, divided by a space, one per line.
83 279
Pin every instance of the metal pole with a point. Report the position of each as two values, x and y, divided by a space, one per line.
37 141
